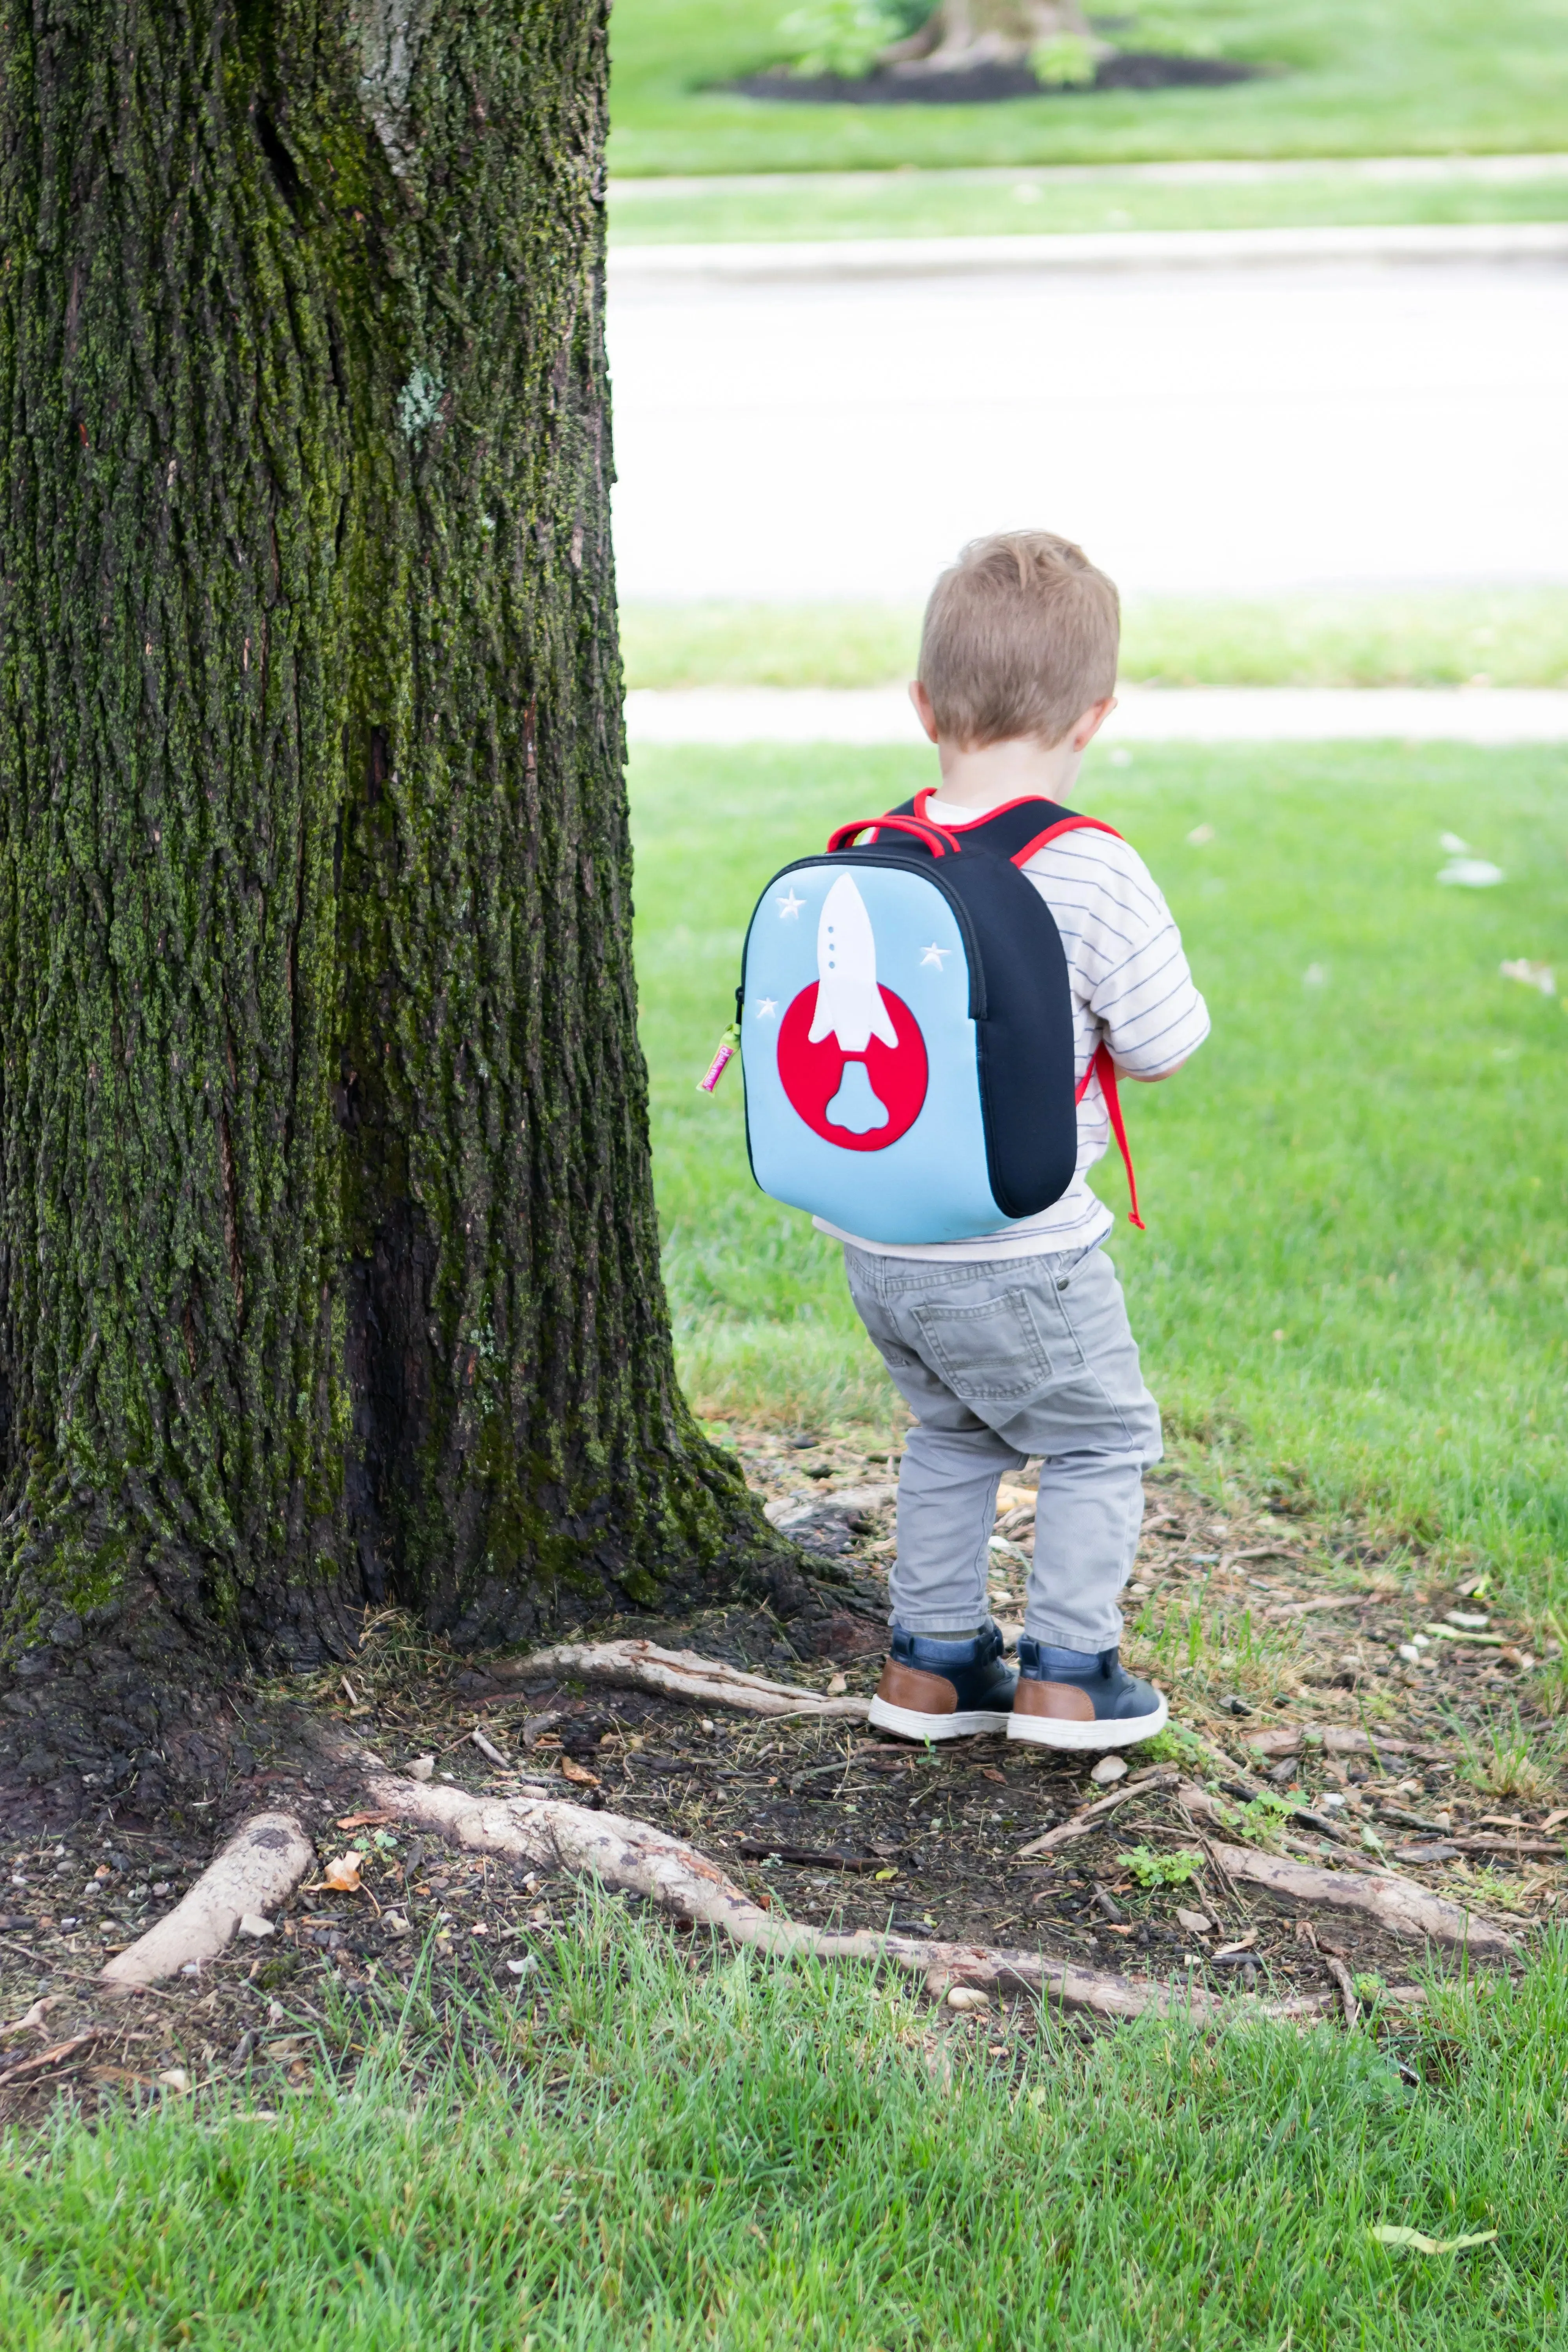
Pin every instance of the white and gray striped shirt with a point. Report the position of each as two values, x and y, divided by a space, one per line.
1131 990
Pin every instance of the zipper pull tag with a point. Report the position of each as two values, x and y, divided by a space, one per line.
728 1047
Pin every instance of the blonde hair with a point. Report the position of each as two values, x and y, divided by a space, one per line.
1020 637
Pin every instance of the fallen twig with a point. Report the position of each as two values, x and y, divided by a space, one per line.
1341 1977
1078 1824
809 1857
21 2070
262 1863
678 1674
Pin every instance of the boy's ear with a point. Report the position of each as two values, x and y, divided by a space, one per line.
923 710
1089 722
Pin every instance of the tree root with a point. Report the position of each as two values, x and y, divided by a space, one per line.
1360 1885
636 1858
1393 1903
677 1674
262 1863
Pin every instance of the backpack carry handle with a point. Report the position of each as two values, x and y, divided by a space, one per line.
936 837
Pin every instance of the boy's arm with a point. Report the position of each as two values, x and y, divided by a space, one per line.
1145 1001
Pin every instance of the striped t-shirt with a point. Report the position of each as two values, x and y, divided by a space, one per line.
1131 990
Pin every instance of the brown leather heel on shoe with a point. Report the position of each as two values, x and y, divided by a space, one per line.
1059 1702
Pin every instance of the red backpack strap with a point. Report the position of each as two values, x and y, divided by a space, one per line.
1102 1067
1063 824
936 837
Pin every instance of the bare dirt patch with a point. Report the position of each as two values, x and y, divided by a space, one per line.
1294 1716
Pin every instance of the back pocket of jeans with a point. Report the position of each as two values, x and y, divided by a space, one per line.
992 1354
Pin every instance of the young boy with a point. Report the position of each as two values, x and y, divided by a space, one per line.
1018 1344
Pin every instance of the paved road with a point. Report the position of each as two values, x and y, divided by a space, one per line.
1217 429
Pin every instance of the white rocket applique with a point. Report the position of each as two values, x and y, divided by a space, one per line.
850 1004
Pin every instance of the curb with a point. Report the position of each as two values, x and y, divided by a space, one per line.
824 261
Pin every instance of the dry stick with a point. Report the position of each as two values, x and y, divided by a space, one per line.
678 1674
262 1863
637 1858
1341 1977
1078 1824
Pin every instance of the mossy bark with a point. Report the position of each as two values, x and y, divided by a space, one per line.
328 1259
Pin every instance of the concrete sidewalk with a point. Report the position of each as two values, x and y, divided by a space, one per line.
1224 714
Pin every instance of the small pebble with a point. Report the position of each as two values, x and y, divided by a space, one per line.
1108 1768
1196 1923
968 1997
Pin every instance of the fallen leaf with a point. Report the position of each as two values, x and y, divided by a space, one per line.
341 1874
286 2049
396 1925
879 1876
836 1686
1390 2233
1529 974
175 2078
1196 1923
572 1770
1242 1944
364 1821
989 1772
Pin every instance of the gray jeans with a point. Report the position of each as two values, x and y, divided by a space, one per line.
1030 1356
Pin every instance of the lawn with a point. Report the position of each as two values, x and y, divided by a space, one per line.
1354 1277
652 2150
1037 202
1407 76
1501 636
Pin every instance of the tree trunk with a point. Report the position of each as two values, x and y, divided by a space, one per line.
328 1257
991 32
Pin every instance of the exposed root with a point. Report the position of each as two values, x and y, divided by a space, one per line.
1395 1903
262 1863
636 1858
677 1674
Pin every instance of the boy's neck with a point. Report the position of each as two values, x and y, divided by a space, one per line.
988 775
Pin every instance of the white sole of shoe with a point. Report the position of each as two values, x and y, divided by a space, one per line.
910 1725
1083 1739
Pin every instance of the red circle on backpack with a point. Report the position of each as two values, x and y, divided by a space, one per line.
893 1078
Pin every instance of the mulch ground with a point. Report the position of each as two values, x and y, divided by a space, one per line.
1265 1632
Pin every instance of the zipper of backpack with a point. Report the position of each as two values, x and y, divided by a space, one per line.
931 872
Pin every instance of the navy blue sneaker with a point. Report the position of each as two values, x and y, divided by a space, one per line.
944 1690
1070 1698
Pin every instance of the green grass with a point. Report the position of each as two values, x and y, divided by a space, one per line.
959 204
1407 76
1356 1264
676 2154
1510 637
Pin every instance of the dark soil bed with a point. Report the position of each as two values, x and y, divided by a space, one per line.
986 85
1253 1621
